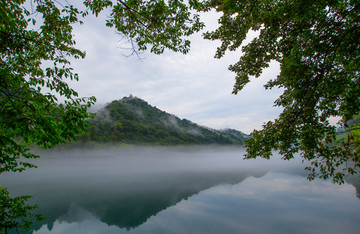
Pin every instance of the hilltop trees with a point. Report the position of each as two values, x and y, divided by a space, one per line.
131 120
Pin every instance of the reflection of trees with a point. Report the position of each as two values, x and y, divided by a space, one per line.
354 180
124 202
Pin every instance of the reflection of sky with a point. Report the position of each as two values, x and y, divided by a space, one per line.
274 203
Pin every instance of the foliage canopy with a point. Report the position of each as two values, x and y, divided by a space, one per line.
317 46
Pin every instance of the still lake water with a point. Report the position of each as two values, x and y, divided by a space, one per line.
182 190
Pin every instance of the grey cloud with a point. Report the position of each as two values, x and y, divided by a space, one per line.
194 86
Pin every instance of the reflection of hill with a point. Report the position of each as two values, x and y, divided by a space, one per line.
126 203
125 187
354 180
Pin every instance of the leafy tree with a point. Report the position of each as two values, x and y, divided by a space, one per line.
14 212
36 43
161 24
317 45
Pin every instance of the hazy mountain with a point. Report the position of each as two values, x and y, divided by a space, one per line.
132 120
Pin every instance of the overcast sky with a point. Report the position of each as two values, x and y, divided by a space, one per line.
195 86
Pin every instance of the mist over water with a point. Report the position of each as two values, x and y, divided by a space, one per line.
137 162
177 190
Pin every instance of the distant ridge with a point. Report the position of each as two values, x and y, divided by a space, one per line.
132 120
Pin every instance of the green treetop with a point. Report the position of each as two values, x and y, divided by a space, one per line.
317 45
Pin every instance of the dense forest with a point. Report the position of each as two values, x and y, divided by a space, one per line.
133 121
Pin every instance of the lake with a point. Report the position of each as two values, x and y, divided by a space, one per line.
182 190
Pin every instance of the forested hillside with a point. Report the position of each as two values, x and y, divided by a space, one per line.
132 120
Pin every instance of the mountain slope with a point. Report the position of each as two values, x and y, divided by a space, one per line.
132 120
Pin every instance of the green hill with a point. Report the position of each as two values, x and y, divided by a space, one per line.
132 120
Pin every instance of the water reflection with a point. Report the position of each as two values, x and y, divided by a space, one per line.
178 190
274 203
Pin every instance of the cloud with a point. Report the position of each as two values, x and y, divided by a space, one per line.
195 86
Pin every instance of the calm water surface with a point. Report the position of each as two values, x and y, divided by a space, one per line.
182 190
